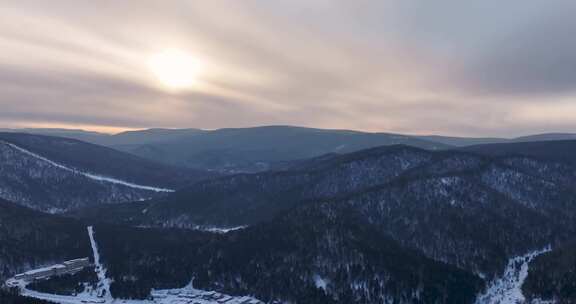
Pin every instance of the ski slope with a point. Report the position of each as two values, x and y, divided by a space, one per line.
95 177
103 286
102 295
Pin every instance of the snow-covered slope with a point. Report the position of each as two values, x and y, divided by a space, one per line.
102 294
37 182
508 288
103 287
95 177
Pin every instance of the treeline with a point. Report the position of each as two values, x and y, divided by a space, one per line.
11 296
68 284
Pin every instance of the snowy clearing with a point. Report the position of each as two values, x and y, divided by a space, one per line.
95 177
508 288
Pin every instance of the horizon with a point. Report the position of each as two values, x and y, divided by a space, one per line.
120 131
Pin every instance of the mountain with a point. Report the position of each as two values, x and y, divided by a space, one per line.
56 174
258 197
463 141
395 223
150 136
559 150
552 276
82 135
245 149
546 137
472 141
102 160
261 148
308 255
31 239
469 211
255 149
123 138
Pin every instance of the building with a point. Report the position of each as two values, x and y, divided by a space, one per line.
77 263
68 267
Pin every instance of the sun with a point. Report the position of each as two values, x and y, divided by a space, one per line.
176 70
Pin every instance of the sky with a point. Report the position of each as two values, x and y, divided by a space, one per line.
453 67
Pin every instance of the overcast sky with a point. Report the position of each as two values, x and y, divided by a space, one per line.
475 68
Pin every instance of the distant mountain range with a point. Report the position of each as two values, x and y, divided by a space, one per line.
557 150
261 148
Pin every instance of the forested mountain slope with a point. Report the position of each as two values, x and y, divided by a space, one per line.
249 198
473 212
256 149
552 276
558 150
104 161
543 187
30 239
57 174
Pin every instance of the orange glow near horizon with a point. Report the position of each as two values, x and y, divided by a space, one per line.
84 127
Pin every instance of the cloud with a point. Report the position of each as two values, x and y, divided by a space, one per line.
539 59
446 66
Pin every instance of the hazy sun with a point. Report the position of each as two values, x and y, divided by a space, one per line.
175 69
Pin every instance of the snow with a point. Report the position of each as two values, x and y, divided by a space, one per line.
189 294
222 230
539 301
186 295
79 299
508 288
320 282
95 177
339 148
103 282
41 270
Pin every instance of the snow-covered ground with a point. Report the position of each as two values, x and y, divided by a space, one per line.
320 282
101 295
103 286
538 301
96 177
508 288
190 295
186 295
222 230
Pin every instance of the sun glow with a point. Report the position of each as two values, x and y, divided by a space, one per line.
175 70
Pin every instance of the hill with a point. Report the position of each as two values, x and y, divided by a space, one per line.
56 174
558 150
31 239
